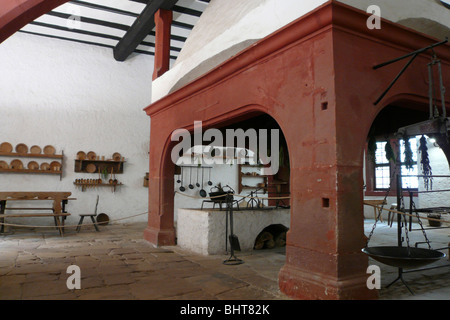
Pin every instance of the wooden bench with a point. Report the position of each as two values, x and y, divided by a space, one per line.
58 212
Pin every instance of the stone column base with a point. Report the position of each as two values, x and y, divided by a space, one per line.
160 237
305 285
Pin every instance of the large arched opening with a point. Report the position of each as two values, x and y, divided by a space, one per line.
254 165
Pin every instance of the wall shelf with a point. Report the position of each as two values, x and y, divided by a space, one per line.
100 165
48 168
31 155
245 175
87 185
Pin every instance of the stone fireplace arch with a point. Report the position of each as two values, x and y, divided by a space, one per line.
160 230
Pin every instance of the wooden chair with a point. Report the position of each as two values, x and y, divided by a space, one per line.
91 215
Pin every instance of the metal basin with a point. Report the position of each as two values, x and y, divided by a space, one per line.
398 256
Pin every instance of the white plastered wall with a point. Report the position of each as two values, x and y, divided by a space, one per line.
76 97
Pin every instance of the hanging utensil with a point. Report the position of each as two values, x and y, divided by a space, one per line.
182 188
209 180
197 184
202 191
178 181
191 186
115 180
111 181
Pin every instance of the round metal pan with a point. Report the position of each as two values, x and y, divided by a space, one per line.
400 257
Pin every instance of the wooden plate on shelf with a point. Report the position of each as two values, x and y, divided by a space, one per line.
16 164
33 165
35 150
91 168
55 166
45 166
116 156
21 148
91 155
49 150
81 155
4 165
6 147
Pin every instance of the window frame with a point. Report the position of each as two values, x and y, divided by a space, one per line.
370 181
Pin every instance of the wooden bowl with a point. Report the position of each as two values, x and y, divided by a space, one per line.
21 148
55 166
4 165
16 164
91 168
49 150
102 219
116 156
45 166
6 147
81 155
33 165
35 150
91 155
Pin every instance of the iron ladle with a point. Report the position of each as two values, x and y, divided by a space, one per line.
197 184
202 192
209 181
178 181
191 186
182 189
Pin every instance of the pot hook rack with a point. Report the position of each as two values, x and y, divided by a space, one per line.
413 55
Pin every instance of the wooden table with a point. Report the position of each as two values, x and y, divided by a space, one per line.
57 211
375 204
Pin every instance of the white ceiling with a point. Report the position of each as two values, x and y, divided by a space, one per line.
105 22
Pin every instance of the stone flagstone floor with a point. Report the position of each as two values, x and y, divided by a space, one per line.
117 263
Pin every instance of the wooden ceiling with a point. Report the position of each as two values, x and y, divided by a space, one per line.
125 26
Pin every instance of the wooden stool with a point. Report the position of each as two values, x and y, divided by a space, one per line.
391 215
91 215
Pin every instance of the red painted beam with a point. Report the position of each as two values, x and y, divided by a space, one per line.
163 22
15 14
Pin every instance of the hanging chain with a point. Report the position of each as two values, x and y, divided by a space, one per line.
379 213
405 223
421 225
380 210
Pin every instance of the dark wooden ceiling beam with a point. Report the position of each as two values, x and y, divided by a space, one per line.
109 24
85 42
141 27
94 34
